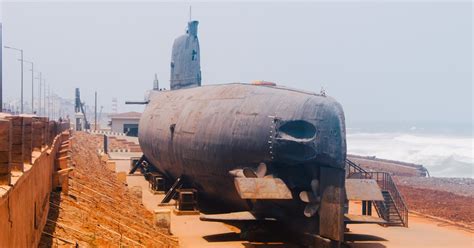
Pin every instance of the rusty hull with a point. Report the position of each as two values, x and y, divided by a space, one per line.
202 133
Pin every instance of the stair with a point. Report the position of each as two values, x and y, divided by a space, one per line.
393 209
388 210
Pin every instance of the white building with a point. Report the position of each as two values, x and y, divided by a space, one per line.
125 123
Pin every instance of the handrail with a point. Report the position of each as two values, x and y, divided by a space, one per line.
354 169
386 182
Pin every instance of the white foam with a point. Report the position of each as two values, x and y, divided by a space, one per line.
443 156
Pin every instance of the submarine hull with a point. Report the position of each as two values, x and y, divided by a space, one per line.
202 133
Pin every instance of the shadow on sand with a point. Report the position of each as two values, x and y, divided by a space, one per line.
260 240
355 240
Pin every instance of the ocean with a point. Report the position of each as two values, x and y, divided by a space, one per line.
444 153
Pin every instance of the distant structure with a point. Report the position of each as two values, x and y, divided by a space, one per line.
125 123
114 105
156 84
185 59
80 122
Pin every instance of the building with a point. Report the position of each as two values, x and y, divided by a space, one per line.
125 123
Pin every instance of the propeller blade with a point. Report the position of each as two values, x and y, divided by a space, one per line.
311 209
249 172
237 173
261 170
304 196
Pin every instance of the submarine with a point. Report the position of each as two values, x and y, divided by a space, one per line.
254 152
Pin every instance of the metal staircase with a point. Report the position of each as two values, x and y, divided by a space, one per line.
393 209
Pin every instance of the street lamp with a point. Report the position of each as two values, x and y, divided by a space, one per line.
21 51
32 84
44 97
39 93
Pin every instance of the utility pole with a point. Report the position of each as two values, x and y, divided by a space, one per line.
39 94
32 85
53 111
21 52
49 101
22 81
95 112
32 88
44 97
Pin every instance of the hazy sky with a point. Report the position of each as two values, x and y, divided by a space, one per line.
383 61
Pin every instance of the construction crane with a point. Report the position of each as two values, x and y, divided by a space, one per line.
80 113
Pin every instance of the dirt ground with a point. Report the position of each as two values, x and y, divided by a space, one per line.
447 198
441 204
457 186
99 210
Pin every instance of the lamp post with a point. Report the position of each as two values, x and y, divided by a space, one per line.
21 52
32 85
44 97
39 93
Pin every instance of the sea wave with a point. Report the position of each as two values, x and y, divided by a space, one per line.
443 156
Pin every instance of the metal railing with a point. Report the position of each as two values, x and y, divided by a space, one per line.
386 183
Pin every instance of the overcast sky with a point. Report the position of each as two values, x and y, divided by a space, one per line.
385 61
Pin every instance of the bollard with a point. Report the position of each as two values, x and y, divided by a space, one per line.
162 218
106 145
137 191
